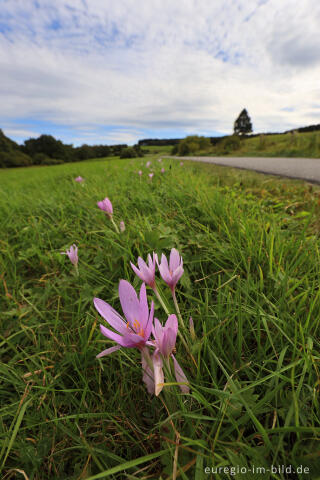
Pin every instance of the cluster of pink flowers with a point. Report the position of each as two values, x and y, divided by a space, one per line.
139 324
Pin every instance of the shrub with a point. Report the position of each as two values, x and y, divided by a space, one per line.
128 152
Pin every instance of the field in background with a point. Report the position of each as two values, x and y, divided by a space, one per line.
305 144
250 245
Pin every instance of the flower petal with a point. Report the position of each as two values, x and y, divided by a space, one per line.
108 351
148 327
180 376
158 372
129 301
110 315
113 336
143 307
174 261
147 376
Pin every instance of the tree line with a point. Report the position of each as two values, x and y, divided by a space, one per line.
47 150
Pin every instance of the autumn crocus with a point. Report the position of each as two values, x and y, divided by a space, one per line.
162 170
79 179
133 331
171 272
146 272
164 342
140 172
148 164
106 206
122 226
73 256
151 175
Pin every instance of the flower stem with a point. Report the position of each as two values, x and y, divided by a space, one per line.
157 294
115 225
177 308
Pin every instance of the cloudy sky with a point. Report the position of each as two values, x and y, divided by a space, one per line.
115 71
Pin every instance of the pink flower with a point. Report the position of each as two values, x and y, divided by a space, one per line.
165 340
140 172
72 254
79 179
181 163
151 175
106 206
146 272
159 159
133 332
172 272
148 164
122 226
162 170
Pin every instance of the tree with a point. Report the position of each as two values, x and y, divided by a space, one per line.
243 123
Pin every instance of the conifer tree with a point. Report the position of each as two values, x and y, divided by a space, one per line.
243 123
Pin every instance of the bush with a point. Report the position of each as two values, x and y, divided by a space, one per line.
229 144
128 152
193 144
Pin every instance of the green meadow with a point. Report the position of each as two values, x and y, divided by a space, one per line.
250 247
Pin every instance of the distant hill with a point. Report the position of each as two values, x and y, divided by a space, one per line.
214 140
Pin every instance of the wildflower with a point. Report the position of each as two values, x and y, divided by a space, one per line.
72 254
181 163
148 164
146 272
106 206
135 330
191 328
162 170
164 342
172 272
79 179
151 175
122 226
159 159
140 172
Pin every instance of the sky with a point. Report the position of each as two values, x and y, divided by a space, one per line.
116 71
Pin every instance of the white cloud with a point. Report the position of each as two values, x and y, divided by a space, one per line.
187 66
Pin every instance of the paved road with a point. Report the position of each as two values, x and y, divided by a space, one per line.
304 168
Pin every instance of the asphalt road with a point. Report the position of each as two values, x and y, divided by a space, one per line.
303 168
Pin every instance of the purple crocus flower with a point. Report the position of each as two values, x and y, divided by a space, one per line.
79 179
151 175
122 226
172 272
162 170
140 172
148 164
146 272
106 206
72 254
135 330
165 340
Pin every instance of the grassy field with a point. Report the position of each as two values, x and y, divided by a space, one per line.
306 145
250 246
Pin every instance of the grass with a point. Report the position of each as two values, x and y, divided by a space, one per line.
250 245
306 144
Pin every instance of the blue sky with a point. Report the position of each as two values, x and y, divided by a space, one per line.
88 71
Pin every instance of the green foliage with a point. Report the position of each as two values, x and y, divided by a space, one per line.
243 123
193 144
131 152
250 245
10 153
228 145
